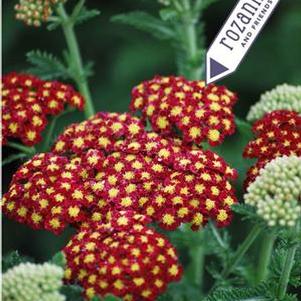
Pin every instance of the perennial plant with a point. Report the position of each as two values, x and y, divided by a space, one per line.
147 196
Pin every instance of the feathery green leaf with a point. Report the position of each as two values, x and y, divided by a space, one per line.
46 65
148 23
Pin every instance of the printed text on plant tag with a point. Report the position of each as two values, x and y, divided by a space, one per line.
236 37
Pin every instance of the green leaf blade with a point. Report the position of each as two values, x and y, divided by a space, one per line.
148 23
46 65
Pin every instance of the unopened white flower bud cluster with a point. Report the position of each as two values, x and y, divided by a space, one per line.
33 282
276 191
283 97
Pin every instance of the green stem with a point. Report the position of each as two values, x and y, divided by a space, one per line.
189 23
286 271
78 70
50 129
268 242
197 262
217 235
49 133
242 249
24 149
287 267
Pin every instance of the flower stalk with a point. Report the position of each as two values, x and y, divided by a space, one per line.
189 20
50 130
24 149
268 242
78 71
197 261
242 249
288 265
49 134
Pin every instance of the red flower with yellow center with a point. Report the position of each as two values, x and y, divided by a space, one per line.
200 112
124 258
277 134
48 192
26 102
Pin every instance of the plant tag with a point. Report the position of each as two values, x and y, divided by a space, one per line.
236 37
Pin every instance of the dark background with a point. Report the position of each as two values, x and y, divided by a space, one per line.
124 57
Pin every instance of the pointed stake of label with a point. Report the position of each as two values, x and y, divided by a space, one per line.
216 68
236 37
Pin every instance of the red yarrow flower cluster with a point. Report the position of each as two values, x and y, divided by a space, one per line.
124 258
99 132
277 134
199 112
163 178
48 192
26 102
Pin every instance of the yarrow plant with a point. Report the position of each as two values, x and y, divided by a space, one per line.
33 282
48 192
147 194
199 112
276 191
26 103
161 177
283 97
125 169
277 134
122 257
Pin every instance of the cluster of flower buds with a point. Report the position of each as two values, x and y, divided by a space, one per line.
26 102
199 112
30 282
283 97
124 257
163 178
278 133
48 192
276 191
35 12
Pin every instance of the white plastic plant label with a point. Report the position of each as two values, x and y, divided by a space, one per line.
236 37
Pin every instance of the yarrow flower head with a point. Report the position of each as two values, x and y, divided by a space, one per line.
26 102
283 97
35 12
111 163
48 192
276 192
100 132
125 259
33 282
198 111
278 133
129 168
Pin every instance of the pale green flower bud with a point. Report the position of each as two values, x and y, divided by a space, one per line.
35 12
276 191
283 97
33 282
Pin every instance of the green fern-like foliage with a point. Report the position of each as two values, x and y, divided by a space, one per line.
148 23
46 65
181 26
